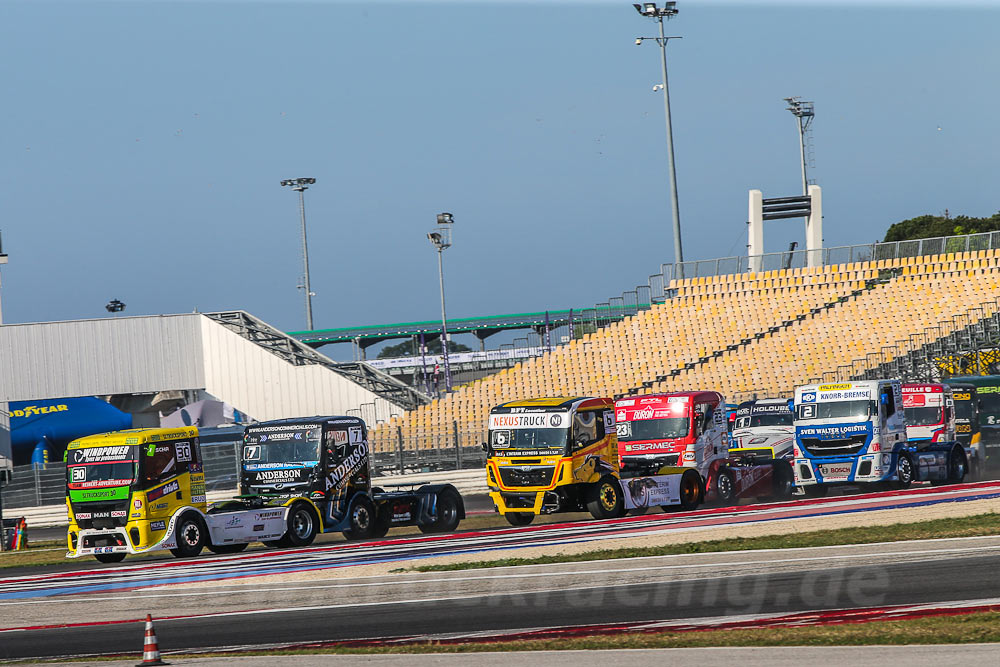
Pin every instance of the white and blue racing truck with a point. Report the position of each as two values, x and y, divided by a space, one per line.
855 433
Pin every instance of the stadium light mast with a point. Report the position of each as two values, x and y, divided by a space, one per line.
803 112
668 11
440 238
300 185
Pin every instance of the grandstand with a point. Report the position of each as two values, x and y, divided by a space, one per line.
743 334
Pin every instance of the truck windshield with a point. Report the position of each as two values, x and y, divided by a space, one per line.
989 413
101 467
767 419
653 429
530 438
291 446
923 416
836 410
964 410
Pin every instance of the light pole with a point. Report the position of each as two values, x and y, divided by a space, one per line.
803 112
441 239
300 185
669 10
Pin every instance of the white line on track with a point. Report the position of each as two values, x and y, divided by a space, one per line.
494 576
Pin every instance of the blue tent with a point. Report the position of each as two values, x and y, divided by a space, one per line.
40 430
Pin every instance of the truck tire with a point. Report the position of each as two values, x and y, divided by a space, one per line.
362 519
302 525
958 466
725 488
191 536
448 504
782 480
816 490
605 499
904 470
519 518
692 492
223 549
110 558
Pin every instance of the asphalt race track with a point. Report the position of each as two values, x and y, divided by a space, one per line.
228 607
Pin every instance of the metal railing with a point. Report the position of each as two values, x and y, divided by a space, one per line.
869 252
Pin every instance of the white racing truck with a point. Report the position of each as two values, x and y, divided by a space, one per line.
763 429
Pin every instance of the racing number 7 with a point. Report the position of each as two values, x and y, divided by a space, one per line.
251 452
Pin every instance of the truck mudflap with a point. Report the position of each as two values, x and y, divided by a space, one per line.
661 489
93 541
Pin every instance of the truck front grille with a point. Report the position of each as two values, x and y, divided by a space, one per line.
843 447
101 515
519 476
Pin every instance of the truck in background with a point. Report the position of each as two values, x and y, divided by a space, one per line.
855 433
689 429
967 432
929 412
549 455
988 403
763 428
143 490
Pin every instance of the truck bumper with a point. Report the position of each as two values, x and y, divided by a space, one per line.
95 541
863 469
529 502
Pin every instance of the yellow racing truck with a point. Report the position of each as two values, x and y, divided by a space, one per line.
143 490
135 491
549 455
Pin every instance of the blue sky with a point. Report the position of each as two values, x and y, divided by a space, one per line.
143 143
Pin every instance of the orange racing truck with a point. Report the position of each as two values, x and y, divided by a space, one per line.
549 455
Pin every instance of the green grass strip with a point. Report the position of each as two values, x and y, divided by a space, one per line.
967 526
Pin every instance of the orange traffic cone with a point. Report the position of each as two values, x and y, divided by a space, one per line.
150 649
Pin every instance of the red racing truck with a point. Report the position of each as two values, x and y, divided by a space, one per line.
689 429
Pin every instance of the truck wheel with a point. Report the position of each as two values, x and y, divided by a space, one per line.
190 536
782 480
227 548
110 558
302 525
957 468
816 490
725 488
362 519
691 491
904 471
447 513
605 500
519 518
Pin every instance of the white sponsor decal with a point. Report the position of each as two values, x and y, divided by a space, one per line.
530 420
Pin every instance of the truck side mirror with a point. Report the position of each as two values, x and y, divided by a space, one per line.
485 446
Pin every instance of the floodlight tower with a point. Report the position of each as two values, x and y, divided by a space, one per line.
668 11
803 112
300 185
440 238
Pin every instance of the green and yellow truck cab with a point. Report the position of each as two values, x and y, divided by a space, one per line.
128 492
